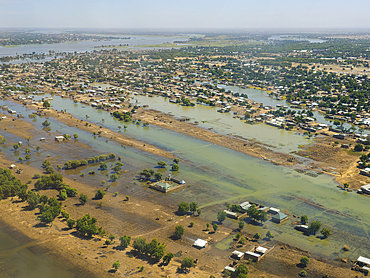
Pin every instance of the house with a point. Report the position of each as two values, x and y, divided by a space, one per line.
279 217
231 214
245 206
200 243
273 210
229 268
364 263
237 254
59 138
251 255
365 188
302 228
365 172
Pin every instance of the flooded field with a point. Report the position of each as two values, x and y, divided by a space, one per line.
216 175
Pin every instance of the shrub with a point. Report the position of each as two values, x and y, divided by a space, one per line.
303 273
305 260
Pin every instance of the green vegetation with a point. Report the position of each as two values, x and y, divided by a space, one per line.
221 216
183 207
305 261
179 231
153 249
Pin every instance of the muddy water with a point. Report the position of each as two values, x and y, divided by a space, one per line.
20 257
217 175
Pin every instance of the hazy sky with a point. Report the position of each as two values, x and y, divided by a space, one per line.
186 13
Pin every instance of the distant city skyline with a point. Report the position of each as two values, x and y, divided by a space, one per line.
232 14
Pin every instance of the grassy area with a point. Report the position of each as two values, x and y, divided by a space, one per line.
352 152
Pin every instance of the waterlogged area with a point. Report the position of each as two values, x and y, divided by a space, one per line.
224 123
133 43
20 257
217 175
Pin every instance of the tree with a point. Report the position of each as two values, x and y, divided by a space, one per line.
183 207
27 157
114 177
75 135
103 166
175 167
33 199
176 161
187 263
46 104
305 261
38 148
2 139
359 148
158 176
242 240
87 225
262 216
46 163
215 227
269 235
50 169
140 245
45 123
314 226
161 164
116 168
199 211
179 231
193 207
241 224
125 241
221 216
71 223
167 258
241 269
325 232
63 194
83 199
99 194
304 219
116 265
27 150
15 146
257 236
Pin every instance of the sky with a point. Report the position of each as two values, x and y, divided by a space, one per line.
228 14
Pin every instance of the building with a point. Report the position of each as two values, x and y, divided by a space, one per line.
279 217
365 188
273 210
364 263
231 214
59 138
200 243
237 255
245 206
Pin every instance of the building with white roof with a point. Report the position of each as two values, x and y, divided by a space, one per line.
200 243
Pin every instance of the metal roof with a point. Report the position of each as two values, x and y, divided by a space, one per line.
363 260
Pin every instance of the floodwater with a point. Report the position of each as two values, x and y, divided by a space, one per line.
20 257
133 43
216 175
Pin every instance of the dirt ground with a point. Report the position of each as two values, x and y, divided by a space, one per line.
330 157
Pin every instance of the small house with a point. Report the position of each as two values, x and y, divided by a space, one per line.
251 255
229 268
273 210
231 214
365 188
364 263
279 217
245 206
200 243
59 138
302 228
237 255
